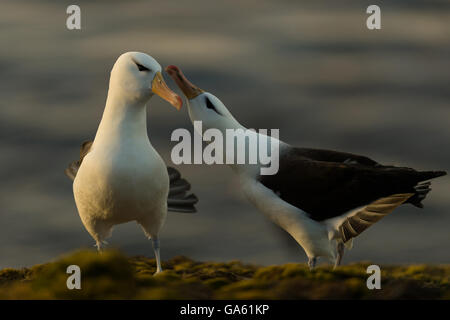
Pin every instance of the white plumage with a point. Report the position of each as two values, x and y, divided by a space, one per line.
121 177
322 198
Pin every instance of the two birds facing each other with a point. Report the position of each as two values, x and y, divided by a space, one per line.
322 198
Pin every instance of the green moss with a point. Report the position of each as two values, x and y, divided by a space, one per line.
217 283
8 275
111 275
269 273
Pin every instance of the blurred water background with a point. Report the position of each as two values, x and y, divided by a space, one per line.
311 69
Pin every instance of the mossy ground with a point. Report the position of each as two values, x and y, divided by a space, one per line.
111 275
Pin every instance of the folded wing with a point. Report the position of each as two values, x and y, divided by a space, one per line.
326 189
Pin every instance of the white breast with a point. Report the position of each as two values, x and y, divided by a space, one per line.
310 234
121 182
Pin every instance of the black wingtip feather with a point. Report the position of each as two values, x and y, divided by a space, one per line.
179 187
173 174
186 201
182 209
178 200
71 170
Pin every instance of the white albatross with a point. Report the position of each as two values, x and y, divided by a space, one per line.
120 177
322 198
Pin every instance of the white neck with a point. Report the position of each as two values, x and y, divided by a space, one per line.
122 119
223 124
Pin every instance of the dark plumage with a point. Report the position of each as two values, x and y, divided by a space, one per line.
327 184
179 200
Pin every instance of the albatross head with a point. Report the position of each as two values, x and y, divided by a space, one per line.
203 105
136 77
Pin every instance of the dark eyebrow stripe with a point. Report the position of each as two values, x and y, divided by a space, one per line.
211 105
140 66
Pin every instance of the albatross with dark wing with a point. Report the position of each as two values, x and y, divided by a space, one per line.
322 198
120 177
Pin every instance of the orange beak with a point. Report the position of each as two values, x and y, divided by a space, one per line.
160 88
189 89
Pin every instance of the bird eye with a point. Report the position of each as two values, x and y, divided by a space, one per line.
141 67
210 105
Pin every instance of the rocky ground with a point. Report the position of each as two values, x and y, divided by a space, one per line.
111 275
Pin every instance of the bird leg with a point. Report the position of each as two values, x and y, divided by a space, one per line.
340 254
155 243
98 245
312 262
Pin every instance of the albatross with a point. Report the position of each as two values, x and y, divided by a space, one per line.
120 177
322 198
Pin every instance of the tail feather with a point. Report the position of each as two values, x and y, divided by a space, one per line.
424 187
422 190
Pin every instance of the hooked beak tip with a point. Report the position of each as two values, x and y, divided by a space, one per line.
190 90
171 70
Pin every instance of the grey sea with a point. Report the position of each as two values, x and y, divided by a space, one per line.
311 69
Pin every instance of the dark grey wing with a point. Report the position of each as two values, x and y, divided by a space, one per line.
72 169
422 189
179 200
329 189
334 156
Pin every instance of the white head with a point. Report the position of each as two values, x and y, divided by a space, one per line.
203 106
136 77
